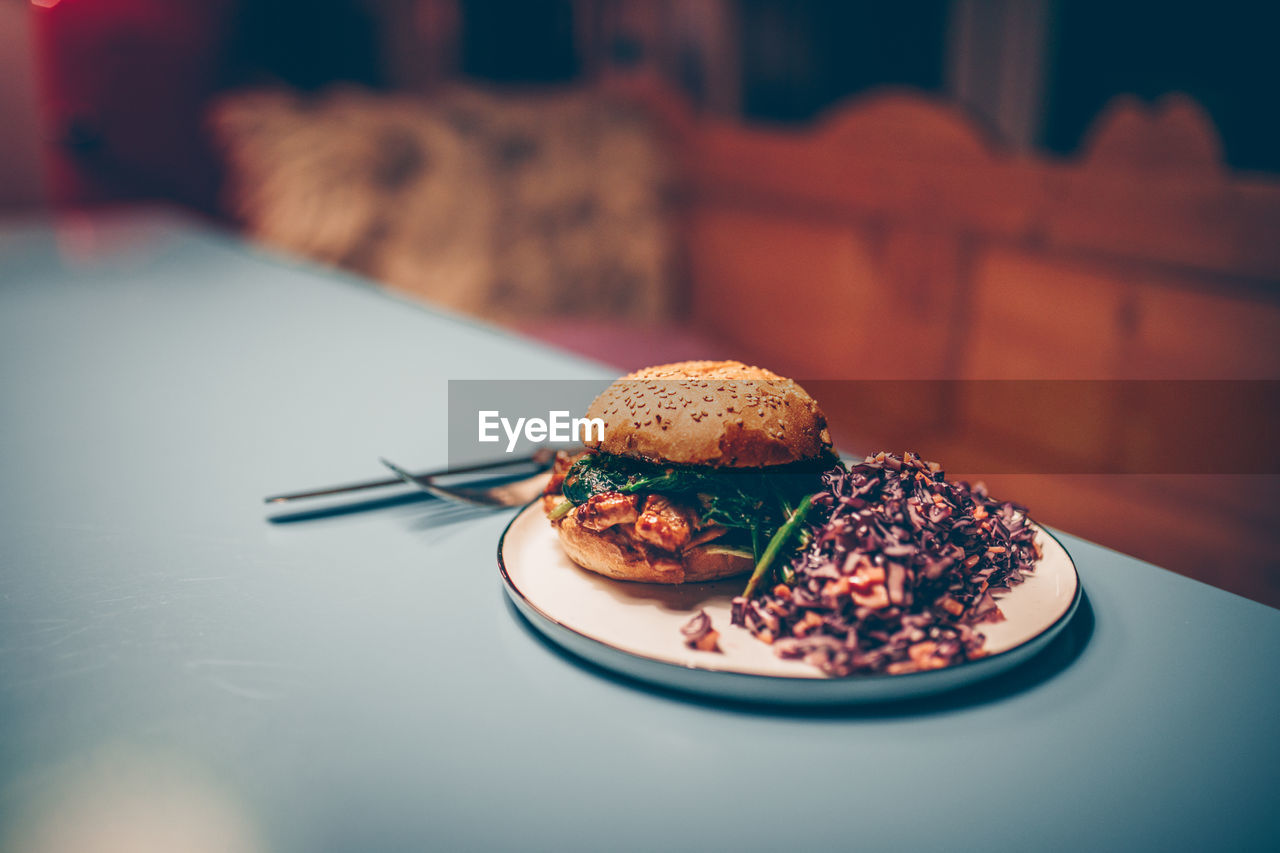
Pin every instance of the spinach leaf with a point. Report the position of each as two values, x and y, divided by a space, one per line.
751 499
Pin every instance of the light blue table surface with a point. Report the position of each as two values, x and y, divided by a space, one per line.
170 661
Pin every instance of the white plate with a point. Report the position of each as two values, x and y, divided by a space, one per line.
634 628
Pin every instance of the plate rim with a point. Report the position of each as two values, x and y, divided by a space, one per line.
905 678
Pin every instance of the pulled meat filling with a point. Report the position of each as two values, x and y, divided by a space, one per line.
633 521
559 467
707 534
663 524
606 510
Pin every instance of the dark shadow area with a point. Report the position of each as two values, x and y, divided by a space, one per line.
1221 56
445 513
1056 657
332 507
332 510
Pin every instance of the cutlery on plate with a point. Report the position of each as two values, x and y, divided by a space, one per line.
540 459
507 494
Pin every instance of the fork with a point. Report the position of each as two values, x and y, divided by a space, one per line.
508 494
541 459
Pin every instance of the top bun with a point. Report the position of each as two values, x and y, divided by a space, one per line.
718 413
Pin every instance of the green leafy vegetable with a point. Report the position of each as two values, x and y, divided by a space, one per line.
728 549
744 498
755 502
777 543
560 510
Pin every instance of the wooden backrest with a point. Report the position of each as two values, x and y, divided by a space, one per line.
895 239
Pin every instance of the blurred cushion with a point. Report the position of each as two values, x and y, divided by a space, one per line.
502 206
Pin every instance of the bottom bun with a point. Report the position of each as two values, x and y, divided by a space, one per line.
599 553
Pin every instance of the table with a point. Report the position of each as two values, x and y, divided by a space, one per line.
174 666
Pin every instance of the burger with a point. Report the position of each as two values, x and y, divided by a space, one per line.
699 467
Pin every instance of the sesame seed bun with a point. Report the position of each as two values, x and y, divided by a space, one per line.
718 413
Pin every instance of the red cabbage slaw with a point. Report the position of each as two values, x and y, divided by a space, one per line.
897 568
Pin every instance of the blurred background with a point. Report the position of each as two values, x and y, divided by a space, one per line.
1071 194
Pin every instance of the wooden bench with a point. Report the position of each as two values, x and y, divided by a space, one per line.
893 240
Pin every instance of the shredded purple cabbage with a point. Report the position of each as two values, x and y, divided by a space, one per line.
699 633
897 570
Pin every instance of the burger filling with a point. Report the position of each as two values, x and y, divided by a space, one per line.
668 508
